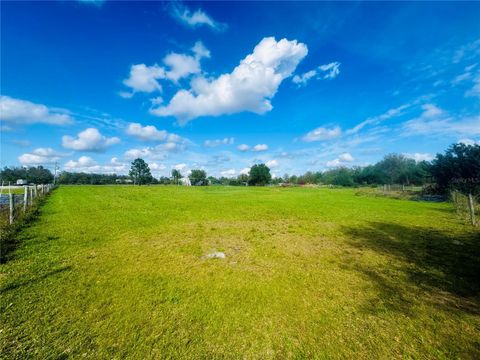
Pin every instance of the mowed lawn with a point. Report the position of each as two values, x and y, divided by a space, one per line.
119 272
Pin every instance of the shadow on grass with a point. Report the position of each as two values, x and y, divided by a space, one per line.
9 233
18 284
434 262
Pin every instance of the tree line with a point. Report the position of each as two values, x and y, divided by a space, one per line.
458 168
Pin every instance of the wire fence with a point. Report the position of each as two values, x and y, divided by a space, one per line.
17 200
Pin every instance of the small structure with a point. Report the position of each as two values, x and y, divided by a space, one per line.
22 182
185 181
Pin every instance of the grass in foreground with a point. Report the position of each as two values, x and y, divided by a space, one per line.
117 272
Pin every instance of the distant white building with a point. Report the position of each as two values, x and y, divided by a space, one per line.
185 181
22 182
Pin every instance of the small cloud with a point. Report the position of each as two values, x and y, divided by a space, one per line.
245 171
272 163
89 140
218 142
146 133
322 133
260 147
326 71
243 147
346 157
194 19
419 156
143 78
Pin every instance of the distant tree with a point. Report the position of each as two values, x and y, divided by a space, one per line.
36 175
164 180
259 175
198 177
176 176
459 169
213 180
140 172
243 179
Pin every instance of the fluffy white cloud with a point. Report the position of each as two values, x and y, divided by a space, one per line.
146 133
326 71
346 157
436 122
144 78
181 66
341 160
218 142
228 173
40 156
249 87
158 152
88 165
419 156
194 19
244 171
260 147
89 140
272 163
243 147
151 133
22 112
322 133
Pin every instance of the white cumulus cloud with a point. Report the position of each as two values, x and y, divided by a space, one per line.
243 147
260 147
89 140
147 79
40 156
151 133
346 157
249 87
322 133
24 112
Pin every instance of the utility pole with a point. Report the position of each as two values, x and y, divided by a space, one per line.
55 173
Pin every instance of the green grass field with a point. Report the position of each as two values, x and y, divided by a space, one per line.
119 272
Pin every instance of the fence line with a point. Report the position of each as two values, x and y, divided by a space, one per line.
15 204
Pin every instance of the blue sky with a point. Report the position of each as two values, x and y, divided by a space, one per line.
221 86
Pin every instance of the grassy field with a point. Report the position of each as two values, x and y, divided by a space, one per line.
120 272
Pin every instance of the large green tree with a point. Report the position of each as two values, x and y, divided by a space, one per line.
140 172
459 169
259 175
198 177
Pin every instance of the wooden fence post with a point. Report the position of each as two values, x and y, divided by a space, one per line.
31 195
35 190
472 209
11 203
25 198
